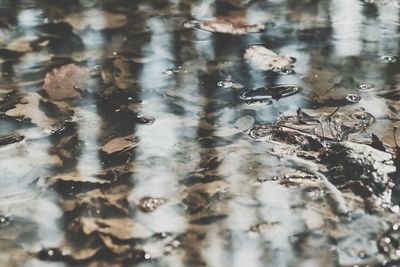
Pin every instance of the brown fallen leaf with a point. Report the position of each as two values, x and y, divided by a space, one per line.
68 254
21 44
76 177
199 196
29 109
97 20
120 145
150 204
262 58
120 74
118 249
120 228
62 83
115 198
231 25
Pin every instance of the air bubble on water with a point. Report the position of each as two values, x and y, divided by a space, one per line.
285 71
146 119
171 72
147 256
65 252
50 252
163 234
388 59
361 254
225 83
365 86
4 220
353 98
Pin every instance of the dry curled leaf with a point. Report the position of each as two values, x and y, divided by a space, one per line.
120 145
262 58
62 83
230 25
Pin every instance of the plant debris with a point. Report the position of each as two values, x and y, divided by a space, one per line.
150 204
96 20
230 25
262 58
120 145
267 93
64 82
29 109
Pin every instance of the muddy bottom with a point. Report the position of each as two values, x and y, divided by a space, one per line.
199 133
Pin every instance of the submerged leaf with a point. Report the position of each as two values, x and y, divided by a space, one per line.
115 198
122 229
76 178
262 58
230 25
29 109
10 139
266 93
97 20
199 196
377 143
120 144
62 83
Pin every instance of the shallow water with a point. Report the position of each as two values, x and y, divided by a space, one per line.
220 193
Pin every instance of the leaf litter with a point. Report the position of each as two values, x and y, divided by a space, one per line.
235 25
65 82
117 237
261 58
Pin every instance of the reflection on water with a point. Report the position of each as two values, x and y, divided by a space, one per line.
224 199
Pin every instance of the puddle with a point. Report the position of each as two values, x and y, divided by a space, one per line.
199 133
